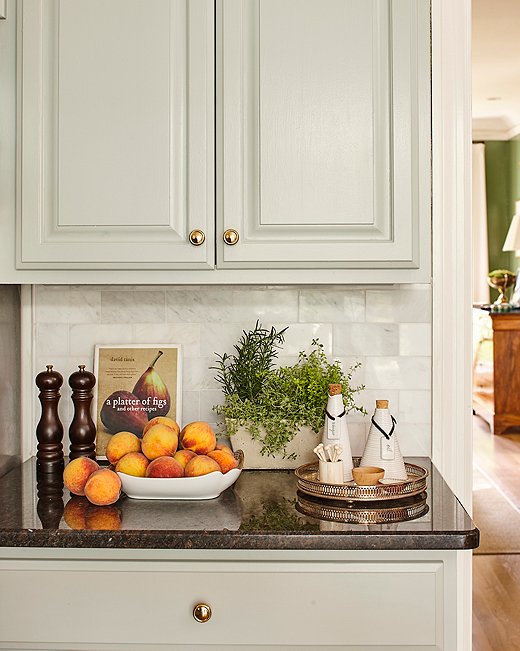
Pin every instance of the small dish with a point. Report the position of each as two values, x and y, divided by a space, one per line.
367 475
205 487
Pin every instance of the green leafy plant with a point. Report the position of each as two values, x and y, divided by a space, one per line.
284 399
243 373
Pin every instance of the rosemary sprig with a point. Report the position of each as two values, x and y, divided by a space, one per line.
244 372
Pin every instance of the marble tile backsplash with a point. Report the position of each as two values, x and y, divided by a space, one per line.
388 330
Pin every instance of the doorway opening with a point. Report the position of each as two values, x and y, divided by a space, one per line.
496 322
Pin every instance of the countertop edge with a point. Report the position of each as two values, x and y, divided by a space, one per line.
337 541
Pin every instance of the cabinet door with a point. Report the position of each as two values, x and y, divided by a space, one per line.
116 133
325 131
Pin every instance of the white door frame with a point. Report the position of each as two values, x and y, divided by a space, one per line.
451 199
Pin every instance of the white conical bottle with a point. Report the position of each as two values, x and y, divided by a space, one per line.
382 447
335 429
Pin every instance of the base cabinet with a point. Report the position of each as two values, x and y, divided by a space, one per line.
362 601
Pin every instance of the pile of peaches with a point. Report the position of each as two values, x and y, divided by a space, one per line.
163 451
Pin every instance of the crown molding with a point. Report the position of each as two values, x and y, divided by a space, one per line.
494 128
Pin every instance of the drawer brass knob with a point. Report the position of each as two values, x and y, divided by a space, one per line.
197 237
202 613
231 236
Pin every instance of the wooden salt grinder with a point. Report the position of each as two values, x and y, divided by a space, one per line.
82 431
49 430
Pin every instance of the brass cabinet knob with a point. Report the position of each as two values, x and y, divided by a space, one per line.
197 237
231 236
202 613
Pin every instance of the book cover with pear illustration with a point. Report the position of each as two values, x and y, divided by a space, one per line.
134 385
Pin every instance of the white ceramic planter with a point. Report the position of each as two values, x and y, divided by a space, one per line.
301 445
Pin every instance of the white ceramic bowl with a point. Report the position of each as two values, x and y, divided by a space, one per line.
205 487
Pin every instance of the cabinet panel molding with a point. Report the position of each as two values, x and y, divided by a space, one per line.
324 132
116 133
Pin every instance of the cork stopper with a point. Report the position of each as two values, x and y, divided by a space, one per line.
334 389
381 404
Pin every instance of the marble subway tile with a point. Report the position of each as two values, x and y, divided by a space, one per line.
357 436
332 305
299 337
368 397
186 334
83 338
133 307
399 305
415 407
84 306
365 339
61 304
269 305
415 339
207 400
219 337
51 303
200 305
52 339
197 375
359 374
231 304
414 439
190 407
398 372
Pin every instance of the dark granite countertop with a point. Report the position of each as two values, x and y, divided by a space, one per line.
261 511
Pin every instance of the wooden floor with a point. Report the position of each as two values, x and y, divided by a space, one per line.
496 578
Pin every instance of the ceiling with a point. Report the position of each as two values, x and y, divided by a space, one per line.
496 69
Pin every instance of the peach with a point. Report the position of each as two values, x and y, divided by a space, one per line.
225 460
224 448
159 441
103 487
133 463
201 465
107 518
162 420
183 456
198 437
76 474
75 512
165 467
120 444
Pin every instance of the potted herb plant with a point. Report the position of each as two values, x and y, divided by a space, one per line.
275 414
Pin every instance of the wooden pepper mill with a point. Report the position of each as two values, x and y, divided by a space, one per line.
49 430
82 431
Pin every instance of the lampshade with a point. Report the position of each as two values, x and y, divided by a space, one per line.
512 242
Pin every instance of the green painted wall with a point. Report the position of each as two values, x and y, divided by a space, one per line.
515 189
502 190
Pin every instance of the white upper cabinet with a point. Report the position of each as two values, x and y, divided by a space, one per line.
321 151
325 132
117 134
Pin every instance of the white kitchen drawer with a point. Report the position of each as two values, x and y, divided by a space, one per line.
144 604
